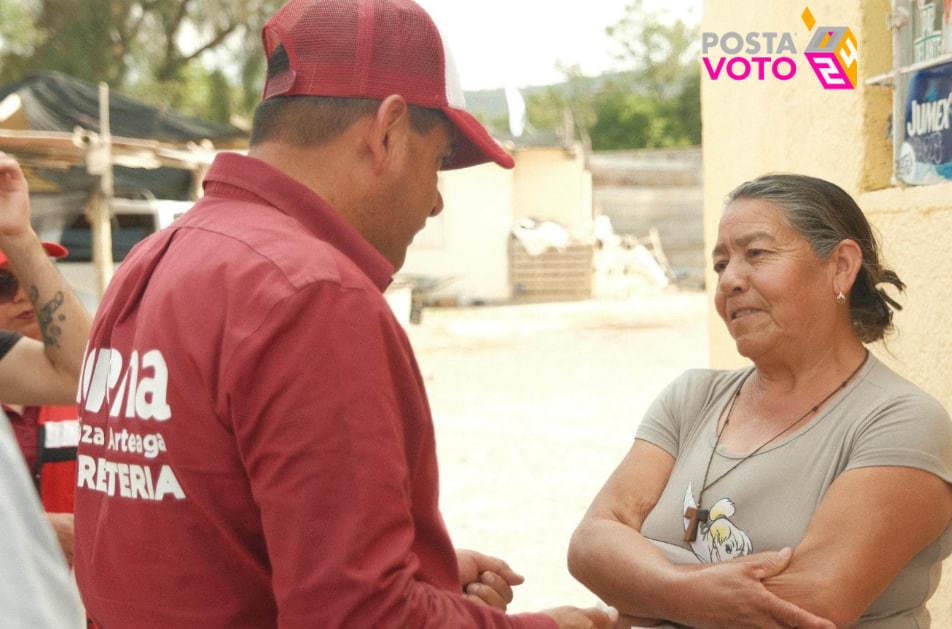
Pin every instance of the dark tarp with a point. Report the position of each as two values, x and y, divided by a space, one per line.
56 102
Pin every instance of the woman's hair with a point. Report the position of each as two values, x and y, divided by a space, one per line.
825 215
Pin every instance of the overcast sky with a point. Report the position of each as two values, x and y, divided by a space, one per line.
518 42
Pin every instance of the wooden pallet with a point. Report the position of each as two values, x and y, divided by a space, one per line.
552 276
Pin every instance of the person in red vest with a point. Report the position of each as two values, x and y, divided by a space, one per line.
47 434
43 329
35 301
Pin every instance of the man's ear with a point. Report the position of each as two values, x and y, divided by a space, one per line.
388 130
848 259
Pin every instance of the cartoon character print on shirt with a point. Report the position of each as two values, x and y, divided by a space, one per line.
718 539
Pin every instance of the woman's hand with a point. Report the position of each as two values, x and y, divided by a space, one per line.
32 372
609 555
14 199
732 594
871 522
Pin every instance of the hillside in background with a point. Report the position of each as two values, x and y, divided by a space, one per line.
614 111
489 106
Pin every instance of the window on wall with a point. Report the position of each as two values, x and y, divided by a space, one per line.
921 78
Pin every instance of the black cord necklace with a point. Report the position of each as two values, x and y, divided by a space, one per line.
697 516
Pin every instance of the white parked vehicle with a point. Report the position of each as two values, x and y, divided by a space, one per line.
132 220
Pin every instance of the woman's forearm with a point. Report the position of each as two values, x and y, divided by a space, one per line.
612 558
813 591
623 568
846 558
628 572
63 321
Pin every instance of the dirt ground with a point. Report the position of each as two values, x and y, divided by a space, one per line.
534 405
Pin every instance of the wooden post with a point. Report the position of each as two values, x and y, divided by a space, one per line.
100 221
198 176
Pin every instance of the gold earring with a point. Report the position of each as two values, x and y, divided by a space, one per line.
840 298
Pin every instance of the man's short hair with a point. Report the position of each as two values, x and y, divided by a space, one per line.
315 120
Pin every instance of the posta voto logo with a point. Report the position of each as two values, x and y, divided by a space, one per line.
762 56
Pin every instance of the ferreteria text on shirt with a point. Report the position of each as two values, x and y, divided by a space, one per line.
133 390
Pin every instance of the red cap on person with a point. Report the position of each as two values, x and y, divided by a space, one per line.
372 49
52 249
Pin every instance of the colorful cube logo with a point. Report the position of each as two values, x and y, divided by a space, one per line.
832 54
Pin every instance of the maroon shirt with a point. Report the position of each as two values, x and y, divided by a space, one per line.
26 427
24 423
257 449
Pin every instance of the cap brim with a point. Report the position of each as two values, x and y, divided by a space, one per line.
52 249
474 145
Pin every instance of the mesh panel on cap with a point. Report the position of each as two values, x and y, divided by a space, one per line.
407 55
454 90
371 49
362 48
321 39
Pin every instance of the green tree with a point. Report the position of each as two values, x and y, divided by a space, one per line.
545 109
141 46
219 97
660 53
654 102
252 77
663 82
624 120
18 32
66 35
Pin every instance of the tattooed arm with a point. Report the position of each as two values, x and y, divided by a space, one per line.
34 372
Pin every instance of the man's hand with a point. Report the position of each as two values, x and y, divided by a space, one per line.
63 525
14 199
486 579
591 618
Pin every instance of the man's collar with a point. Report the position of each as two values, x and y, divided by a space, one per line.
290 196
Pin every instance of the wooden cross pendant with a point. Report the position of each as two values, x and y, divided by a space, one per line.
695 517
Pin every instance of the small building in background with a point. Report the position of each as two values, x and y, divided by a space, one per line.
469 253
538 232
658 191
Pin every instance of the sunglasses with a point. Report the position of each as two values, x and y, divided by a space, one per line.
8 287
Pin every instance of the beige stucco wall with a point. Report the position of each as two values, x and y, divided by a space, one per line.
916 229
751 128
468 241
754 127
552 184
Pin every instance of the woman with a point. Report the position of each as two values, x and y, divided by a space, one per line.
38 590
818 447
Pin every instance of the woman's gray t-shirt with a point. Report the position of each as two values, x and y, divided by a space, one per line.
879 419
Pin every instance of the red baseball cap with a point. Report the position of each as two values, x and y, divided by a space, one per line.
52 249
372 49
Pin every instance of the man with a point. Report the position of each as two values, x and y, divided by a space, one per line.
47 434
37 588
257 448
